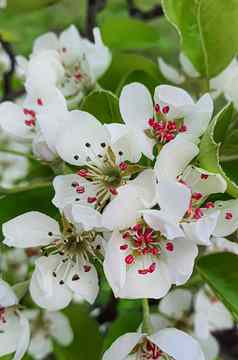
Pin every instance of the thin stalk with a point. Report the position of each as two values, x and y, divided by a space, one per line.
18 153
147 325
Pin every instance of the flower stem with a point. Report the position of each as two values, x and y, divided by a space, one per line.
18 153
147 326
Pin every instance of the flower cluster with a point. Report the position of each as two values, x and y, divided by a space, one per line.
131 197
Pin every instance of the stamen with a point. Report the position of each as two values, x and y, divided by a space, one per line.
129 259
228 215
170 246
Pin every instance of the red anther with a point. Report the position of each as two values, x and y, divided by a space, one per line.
145 251
32 252
137 227
64 49
183 128
91 199
171 125
157 108
214 300
31 122
143 271
197 196
152 268
165 109
228 215
124 247
123 166
39 102
82 172
126 235
2 315
113 191
151 122
129 259
87 268
198 213
209 205
170 246
80 189
204 176
154 251
169 136
78 76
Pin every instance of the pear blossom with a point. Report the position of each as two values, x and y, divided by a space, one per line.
47 326
66 269
14 326
166 344
172 114
20 121
72 63
196 217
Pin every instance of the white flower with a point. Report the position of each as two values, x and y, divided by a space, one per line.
66 269
45 327
176 309
173 114
70 62
166 344
221 244
187 207
14 327
21 120
140 262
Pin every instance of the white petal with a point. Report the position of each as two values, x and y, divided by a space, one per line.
181 260
228 220
146 181
12 120
9 333
158 322
174 97
60 328
170 72
7 295
210 347
30 229
45 289
46 41
70 45
82 137
178 344
187 66
41 150
173 198
23 339
122 346
222 244
40 346
204 182
66 191
200 231
159 221
136 106
86 216
173 158
176 303
87 285
114 265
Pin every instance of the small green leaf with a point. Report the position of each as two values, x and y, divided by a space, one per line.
142 77
210 144
26 5
123 65
125 33
220 272
87 343
104 105
21 289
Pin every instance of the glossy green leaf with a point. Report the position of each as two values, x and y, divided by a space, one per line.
220 271
104 105
87 343
208 31
126 33
210 144
125 64
26 5
142 77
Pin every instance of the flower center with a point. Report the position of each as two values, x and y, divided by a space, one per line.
142 242
161 129
148 351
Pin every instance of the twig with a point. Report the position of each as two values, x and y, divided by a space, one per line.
93 8
7 77
134 11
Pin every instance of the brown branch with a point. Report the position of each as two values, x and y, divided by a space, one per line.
7 77
93 8
134 11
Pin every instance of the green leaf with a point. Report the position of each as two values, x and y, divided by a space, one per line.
126 33
210 144
126 322
123 65
37 199
208 31
142 77
26 5
87 343
220 272
104 105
